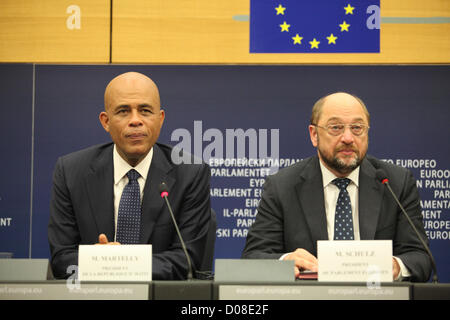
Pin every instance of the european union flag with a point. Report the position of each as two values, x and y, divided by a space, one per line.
310 26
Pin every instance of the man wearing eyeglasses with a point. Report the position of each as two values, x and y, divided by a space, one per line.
302 203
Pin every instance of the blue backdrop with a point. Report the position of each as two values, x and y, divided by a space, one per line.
52 110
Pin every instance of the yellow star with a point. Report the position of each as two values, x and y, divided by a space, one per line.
332 39
349 9
314 44
285 27
344 26
297 39
280 10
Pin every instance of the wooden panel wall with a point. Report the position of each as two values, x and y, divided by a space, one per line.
197 31
61 31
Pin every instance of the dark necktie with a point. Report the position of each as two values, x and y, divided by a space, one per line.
343 221
129 217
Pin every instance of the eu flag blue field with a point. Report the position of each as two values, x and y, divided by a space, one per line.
314 26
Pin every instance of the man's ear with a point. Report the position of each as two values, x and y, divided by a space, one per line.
162 115
104 120
313 134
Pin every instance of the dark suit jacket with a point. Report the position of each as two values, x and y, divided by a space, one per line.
291 213
82 207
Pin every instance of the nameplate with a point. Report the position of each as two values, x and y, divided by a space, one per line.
367 261
115 263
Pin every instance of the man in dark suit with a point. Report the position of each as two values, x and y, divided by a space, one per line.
86 203
300 205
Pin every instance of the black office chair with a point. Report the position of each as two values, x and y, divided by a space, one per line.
208 257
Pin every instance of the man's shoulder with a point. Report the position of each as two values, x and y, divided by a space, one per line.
187 174
398 176
390 168
86 155
305 168
298 167
177 158
76 165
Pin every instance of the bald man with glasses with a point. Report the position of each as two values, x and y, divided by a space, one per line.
337 196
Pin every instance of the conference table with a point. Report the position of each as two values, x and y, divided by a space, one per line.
212 290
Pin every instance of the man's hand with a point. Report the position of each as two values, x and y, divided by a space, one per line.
303 261
395 268
102 239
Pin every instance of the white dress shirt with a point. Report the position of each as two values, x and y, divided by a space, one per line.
121 168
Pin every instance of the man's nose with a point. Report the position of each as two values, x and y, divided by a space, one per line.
347 137
135 119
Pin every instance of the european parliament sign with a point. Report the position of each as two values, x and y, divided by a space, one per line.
243 121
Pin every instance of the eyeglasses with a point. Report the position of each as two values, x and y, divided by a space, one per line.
356 129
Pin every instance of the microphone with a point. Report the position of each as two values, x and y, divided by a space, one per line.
163 190
381 175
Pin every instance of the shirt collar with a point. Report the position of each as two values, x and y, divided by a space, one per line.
328 176
121 167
